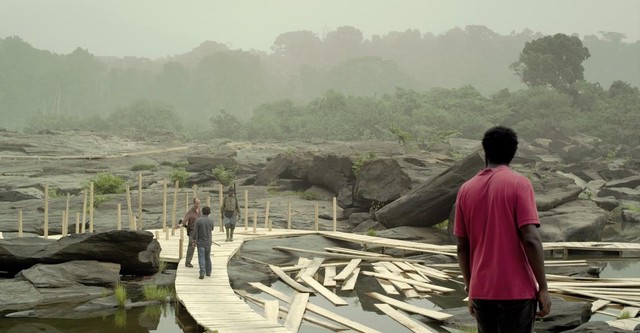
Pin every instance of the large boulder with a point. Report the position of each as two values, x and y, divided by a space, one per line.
87 272
430 203
381 181
331 171
288 166
19 194
621 193
576 221
137 252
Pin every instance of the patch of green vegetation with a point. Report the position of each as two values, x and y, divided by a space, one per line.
466 329
309 195
144 167
174 164
107 183
442 225
631 207
440 136
162 266
153 312
624 315
120 293
360 160
99 200
156 293
179 174
225 176
371 232
53 193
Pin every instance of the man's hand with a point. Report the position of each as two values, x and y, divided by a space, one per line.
472 310
544 303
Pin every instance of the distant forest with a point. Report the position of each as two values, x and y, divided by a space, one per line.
400 84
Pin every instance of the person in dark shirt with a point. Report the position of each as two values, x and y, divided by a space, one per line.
202 240
189 220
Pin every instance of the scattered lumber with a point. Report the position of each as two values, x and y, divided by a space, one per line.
403 319
339 255
356 252
288 280
440 316
331 297
316 309
344 274
350 282
296 312
409 281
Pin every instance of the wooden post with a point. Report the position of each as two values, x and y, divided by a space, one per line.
66 215
157 235
335 210
63 231
164 205
84 209
140 200
77 222
315 219
130 209
194 188
20 223
266 217
180 245
289 216
46 211
209 201
186 202
246 209
255 221
221 195
176 186
119 216
91 207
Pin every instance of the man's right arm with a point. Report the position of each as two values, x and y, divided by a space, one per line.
535 255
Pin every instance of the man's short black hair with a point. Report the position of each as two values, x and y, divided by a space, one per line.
500 144
206 210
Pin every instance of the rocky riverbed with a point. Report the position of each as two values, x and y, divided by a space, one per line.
583 192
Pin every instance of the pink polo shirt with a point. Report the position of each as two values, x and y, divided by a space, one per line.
490 208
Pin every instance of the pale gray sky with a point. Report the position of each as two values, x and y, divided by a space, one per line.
155 28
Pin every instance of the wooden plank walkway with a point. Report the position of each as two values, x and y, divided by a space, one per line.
212 302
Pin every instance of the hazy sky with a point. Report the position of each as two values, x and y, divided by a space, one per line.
154 28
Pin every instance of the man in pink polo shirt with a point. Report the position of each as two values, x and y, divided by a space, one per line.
499 248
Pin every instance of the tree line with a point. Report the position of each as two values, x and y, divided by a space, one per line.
337 86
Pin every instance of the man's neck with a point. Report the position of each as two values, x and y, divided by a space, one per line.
495 165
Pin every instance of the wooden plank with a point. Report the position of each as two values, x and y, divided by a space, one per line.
625 324
388 287
314 320
613 299
355 252
439 316
329 274
403 319
338 255
409 281
288 280
296 312
333 298
316 309
599 304
398 284
632 311
311 269
350 282
271 310
348 270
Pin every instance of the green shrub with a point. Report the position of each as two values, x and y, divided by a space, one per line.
174 164
442 225
309 195
155 293
179 174
360 160
142 167
107 183
223 175
53 193
121 295
371 232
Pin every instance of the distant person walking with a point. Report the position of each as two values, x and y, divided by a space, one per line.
499 248
202 240
230 212
189 220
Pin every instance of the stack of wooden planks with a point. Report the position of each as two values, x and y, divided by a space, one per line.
338 269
